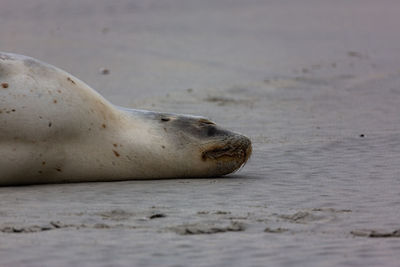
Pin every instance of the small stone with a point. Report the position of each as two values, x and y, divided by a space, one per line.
221 212
277 230
101 226
18 229
203 212
46 227
157 215
7 229
33 229
104 71
56 224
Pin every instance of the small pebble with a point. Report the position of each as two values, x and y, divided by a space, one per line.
277 230
18 229
104 71
157 215
46 227
56 224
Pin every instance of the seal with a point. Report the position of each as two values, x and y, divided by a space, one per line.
54 129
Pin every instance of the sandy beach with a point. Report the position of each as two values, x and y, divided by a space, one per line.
314 84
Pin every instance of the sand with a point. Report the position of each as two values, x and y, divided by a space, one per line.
314 84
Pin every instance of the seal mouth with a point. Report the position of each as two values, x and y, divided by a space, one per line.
237 149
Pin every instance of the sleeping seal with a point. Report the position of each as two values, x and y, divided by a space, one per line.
54 128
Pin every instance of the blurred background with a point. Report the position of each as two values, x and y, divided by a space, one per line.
159 46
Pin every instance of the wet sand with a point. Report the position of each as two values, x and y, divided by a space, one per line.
316 86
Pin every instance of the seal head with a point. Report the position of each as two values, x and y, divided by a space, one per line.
194 146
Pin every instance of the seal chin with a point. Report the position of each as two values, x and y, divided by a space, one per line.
228 154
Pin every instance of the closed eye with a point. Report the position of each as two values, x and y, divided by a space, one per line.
205 121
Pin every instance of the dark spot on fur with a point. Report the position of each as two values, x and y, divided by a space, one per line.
40 172
55 101
116 153
43 162
4 85
50 124
58 169
13 110
103 125
163 147
69 79
115 145
59 91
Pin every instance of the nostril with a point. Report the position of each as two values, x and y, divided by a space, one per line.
165 119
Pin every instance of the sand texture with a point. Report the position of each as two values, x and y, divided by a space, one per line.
314 84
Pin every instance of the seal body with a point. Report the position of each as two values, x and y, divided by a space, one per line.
54 128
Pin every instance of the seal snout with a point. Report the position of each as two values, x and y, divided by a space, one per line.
230 154
220 151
